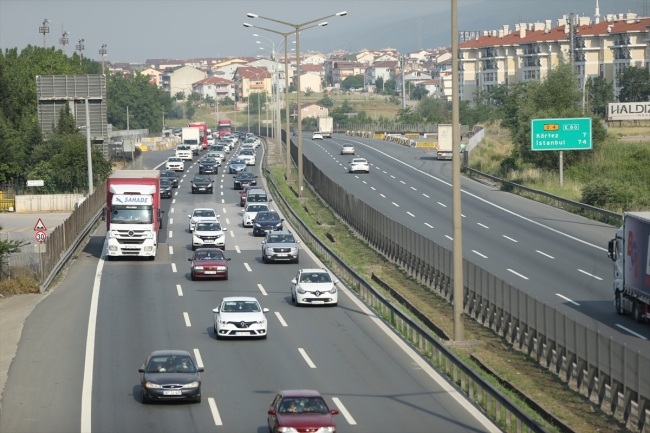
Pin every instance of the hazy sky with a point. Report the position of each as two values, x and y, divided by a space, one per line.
135 30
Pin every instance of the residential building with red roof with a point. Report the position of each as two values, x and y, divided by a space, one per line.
250 79
215 87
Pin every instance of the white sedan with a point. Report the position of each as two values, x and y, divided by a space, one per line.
202 215
175 163
359 164
240 316
209 235
314 287
317 135
247 155
251 212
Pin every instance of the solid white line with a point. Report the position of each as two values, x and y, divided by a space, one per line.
631 332
237 249
173 267
567 299
199 361
232 234
304 355
428 225
510 239
483 225
248 268
395 204
449 237
413 189
344 411
174 201
587 273
171 250
372 188
281 319
156 167
215 411
518 274
443 205
87 387
170 233
187 320
382 195
179 290
544 254
476 252
410 214
259 286
171 221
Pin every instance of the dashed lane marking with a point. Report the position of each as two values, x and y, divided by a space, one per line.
187 319
173 267
215 411
281 319
518 274
179 290
259 286
344 411
428 225
199 361
544 254
248 268
307 359
587 273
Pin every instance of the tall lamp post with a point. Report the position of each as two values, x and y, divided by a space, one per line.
80 47
102 51
298 28
45 30
64 41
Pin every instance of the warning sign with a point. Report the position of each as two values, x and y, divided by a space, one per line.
39 225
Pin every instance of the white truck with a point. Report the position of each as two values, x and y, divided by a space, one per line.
326 126
191 137
184 152
444 146
630 251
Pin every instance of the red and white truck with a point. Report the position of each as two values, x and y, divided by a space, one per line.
132 213
203 133
225 127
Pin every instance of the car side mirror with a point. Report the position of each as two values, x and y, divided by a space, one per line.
228 259
298 241
224 229
336 281
335 412
140 370
104 214
200 369
265 310
252 221
189 260
270 200
271 412
215 310
255 177
281 219
189 216
293 281
162 211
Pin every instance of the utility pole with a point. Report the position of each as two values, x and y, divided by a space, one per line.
45 30
403 82
572 56
102 51
64 40
89 150
80 48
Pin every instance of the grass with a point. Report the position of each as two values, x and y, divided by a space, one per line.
630 128
19 286
522 371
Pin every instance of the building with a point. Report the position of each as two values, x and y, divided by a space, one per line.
383 70
343 69
313 82
250 79
312 69
313 59
154 76
412 78
432 86
216 88
312 109
180 79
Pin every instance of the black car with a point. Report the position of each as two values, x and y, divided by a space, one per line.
244 178
202 184
170 375
171 175
165 187
265 221
208 165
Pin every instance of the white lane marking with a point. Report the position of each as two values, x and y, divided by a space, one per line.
372 188
392 176
410 214
223 200
172 210
544 254
159 165
484 200
402 182
232 234
227 221
237 249
395 204
221 179
510 239
174 201
171 250
428 225
221 192
518 274
483 225
248 268
199 361
173 267
631 332
364 182
215 411
426 196
385 172
179 290
184 175
221 186
463 216
170 233
477 253
567 299
344 411
187 319
87 387
382 195
449 237
259 286
224 210
304 355
413 189
443 205
356 176
171 221
176 193
281 319
587 273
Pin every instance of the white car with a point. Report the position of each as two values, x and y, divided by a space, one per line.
251 211
359 164
202 214
210 141
248 156
347 149
216 155
240 316
317 135
248 145
314 287
184 152
175 163
209 235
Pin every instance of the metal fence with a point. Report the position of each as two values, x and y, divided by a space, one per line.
610 374
393 128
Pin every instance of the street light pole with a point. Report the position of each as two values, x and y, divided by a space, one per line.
80 48
45 30
102 51
64 41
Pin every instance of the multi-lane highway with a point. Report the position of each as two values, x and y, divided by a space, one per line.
549 253
361 367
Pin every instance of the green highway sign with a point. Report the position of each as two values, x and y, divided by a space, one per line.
560 134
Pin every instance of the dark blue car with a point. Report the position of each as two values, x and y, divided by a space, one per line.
237 165
265 221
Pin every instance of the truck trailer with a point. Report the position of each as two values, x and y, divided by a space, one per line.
326 126
630 251
203 133
192 137
445 143
132 213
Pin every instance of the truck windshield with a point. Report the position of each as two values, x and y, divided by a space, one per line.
190 142
224 127
122 214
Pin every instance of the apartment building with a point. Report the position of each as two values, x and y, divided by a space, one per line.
249 80
342 69
383 70
180 79
217 88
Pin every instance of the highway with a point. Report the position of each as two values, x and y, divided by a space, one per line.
554 255
348 354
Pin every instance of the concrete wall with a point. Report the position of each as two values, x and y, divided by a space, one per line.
46 203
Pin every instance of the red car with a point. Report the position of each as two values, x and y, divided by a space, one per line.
209 263
242 194
301 411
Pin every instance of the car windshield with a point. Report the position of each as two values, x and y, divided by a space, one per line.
209 255
245 175
209 161
359 161
238 162
165 182
183 148
201 179
212 155
219 148
246 152
240 307
281 239
257 208
256 198
208 227
203 213
131 214
300 405
267 216
174 159
171 364
315 277
168 174
347 145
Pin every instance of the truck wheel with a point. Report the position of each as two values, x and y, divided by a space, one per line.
617 303
636 312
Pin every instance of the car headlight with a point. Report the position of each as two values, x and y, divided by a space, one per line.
198 268
257 225
294 249
286 429
326 430
300 290
148 248
332 290
196 238
269 250
193 185
221 268
261 322
279 224
222 322
194 384
152 385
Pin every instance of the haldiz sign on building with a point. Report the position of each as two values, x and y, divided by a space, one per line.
628 111
560 134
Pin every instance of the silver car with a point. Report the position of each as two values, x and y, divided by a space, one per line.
280 246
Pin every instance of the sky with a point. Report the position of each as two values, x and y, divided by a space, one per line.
136 30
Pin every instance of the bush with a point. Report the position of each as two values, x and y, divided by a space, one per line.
610 195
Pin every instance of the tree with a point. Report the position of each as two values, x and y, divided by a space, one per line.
635 85
226 101
190 111
419 92
352 82
326 101
600 92
179 96
9 247
257 101
389 87
379 84
194 97
434 110
308 91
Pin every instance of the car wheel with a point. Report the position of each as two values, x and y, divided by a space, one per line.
264 258
198 399
145 399
297 260
192 277
193 248
109 258
226 277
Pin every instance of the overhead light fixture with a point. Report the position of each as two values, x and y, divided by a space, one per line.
248 25
249 15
